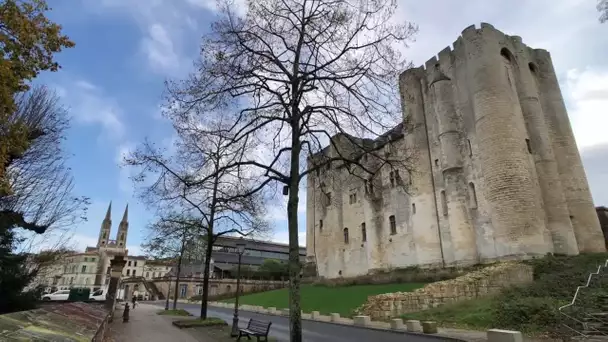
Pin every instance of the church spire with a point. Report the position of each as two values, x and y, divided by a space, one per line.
125 216
123 228
109 212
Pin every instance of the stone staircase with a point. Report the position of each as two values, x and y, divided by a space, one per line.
585 320
597 322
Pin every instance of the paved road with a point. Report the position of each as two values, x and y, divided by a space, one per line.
312 331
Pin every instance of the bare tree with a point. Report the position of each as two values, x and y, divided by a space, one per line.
602 7
298 75
168 238
214 200
41 186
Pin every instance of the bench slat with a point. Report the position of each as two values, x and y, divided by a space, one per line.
257 328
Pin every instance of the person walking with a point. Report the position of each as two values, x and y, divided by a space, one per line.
134 300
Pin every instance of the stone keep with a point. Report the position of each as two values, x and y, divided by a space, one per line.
496 171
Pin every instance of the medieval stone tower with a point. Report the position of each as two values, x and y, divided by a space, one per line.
497 173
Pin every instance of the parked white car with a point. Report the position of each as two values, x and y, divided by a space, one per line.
57 295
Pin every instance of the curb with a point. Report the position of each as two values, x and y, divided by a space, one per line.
398 332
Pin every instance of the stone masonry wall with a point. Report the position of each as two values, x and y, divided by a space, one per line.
473 285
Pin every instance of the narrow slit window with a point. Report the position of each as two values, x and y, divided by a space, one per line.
528 146
437 162
320 225
363 232
473 195
393 224
413 208
444 204
345 235
470 148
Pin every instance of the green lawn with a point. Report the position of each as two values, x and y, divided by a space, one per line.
342 300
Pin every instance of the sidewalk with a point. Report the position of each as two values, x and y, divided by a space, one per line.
145 325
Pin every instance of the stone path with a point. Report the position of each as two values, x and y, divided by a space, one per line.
146 326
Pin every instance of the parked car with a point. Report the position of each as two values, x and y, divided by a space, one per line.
100 294
57 295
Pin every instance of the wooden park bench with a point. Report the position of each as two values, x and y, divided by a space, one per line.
255 328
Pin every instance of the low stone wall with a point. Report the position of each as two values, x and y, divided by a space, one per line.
218 288
476 284
73 321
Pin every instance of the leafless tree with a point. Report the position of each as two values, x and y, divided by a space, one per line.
194 184
298 75
41 185
168 238
602 7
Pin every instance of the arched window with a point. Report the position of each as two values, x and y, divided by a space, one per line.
345 235
363 232
413 208
506 54
393 224
473 195
103 235
122 236
533 68
444 203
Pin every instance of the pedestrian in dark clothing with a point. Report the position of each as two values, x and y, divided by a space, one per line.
133 301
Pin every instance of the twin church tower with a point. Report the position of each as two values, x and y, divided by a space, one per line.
106 227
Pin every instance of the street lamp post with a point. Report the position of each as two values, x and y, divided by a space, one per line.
235 320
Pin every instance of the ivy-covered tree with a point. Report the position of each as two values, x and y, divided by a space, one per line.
35 185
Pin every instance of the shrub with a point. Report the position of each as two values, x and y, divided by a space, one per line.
190 323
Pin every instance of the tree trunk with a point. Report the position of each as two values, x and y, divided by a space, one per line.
206 271
179 269
295 317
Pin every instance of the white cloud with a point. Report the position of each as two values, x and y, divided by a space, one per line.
587 91
164 25
125 184
159 49
90 106
283 237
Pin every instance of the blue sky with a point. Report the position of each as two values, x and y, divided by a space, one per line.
112 81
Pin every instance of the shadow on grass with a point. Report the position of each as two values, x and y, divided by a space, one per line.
178 312
197 322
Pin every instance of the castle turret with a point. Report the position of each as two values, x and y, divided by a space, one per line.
571 172
106 226
540 147
510 189
123 229
425 226
460 232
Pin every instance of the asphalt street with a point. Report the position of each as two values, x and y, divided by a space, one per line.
312 331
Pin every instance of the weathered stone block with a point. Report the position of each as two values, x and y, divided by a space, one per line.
397 324
429 327
361 320
315 314
413 325
285 312
335 317
499 335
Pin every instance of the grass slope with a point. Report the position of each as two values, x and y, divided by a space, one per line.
342 300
